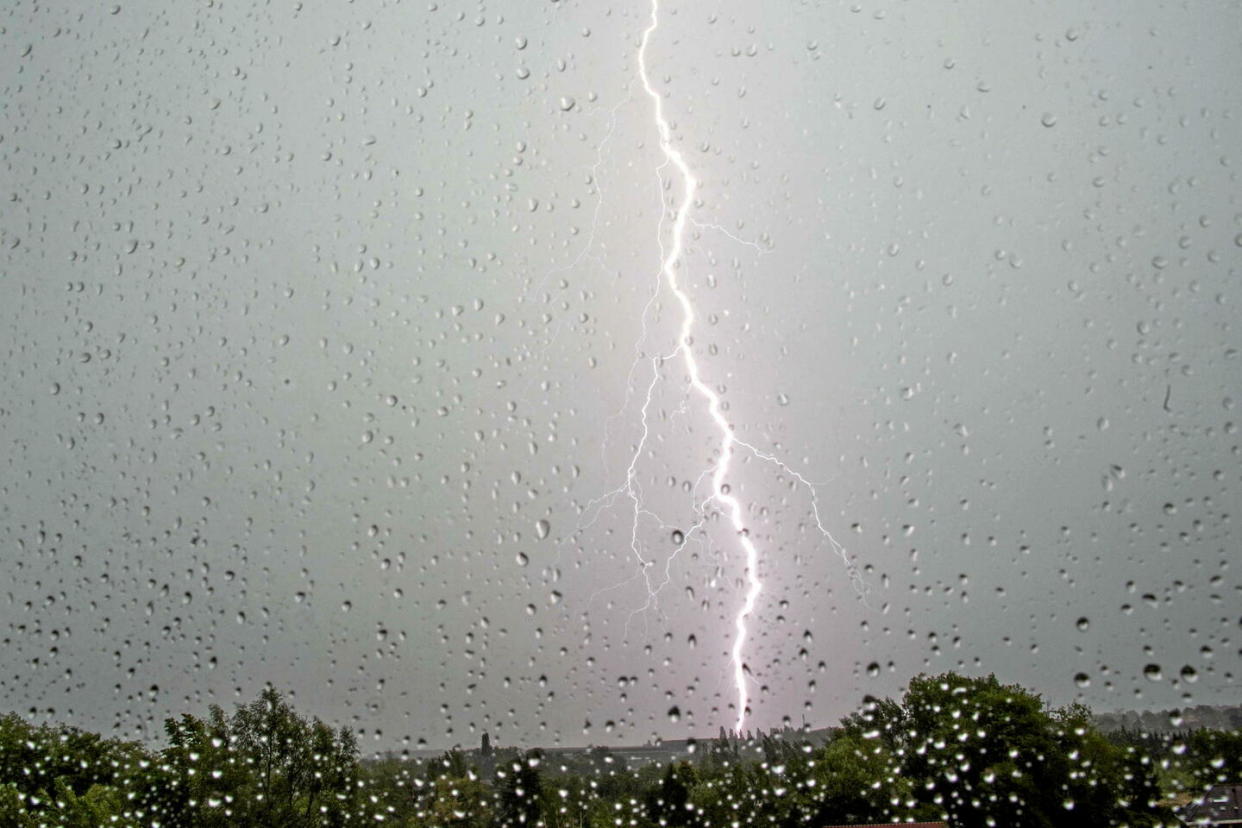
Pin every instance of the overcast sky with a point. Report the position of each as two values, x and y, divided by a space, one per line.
323 336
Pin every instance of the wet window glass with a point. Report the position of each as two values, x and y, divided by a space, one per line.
643 413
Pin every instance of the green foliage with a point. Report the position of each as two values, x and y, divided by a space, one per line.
264 766
15 809
858 779
450 792
520 796
391 788
65 776
669 803
1213 757
458 801
972 751
206 781
983 753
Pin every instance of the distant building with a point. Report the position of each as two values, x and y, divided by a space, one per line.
1221 806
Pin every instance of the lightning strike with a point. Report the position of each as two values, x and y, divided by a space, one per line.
631 489
668 270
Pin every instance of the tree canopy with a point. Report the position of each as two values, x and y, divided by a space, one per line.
973 752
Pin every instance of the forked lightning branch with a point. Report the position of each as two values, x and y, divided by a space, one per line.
720 493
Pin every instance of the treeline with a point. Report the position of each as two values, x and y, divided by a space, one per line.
971 751
264 766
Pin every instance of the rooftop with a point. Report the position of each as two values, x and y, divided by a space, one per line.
1221 806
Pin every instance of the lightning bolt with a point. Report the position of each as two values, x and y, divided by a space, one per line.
668 271
729 443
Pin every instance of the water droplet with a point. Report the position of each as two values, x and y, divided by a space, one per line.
1152 672
567 103
542 528
679 537
1082 679
1048 119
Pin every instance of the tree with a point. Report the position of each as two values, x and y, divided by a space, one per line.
859 779
14 807
452 794
1213 757
208 782
669 804
984 753
65 776
458 801
264 766
520 792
